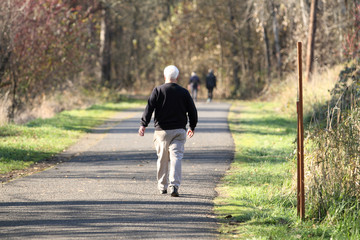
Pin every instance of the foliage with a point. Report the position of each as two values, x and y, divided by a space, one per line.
46 50
249 44
333 159
135 67
235 37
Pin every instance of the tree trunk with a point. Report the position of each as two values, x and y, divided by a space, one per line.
304 12
234 51
168 5
134 58
105 47
249 48
267 53
340 22
277 40
3 65
356 25
5 44
221 43
14 102
311 41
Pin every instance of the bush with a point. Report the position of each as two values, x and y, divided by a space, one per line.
332 158
333 165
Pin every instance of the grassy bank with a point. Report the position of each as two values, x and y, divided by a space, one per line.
257 199
24 145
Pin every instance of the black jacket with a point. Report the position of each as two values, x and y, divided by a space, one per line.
210 81
173 105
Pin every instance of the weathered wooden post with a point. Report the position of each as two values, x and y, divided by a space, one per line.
298 192
300 139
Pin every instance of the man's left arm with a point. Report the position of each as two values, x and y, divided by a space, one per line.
193 116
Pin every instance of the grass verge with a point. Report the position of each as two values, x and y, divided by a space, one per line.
257 199
24 145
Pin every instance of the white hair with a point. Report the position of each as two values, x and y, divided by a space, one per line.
171 73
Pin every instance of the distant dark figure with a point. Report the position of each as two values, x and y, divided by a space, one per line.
194 85
210 84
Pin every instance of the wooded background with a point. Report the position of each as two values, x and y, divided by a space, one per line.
52 47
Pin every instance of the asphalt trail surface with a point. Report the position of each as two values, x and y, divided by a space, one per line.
107 189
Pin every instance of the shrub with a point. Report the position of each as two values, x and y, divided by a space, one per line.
332 158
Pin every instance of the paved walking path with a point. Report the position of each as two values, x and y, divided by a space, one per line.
108 189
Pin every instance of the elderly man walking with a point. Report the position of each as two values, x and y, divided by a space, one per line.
173 106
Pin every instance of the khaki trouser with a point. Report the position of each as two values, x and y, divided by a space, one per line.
169 146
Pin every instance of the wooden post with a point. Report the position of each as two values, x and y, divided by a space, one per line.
301 188
298 192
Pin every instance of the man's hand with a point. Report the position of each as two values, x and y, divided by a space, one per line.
190 133
142 131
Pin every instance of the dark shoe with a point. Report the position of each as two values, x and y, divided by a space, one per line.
174 191
163 191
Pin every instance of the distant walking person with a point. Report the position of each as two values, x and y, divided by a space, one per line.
173 106
210 84
194 85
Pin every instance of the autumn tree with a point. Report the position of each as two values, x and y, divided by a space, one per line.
45 51
124 45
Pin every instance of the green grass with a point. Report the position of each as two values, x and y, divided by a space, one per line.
23 145
257 199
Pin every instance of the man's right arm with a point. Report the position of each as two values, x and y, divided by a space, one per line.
149 109
146 117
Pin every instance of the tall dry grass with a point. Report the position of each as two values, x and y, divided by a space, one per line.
315 93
